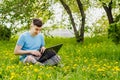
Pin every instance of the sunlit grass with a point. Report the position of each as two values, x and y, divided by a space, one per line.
96 59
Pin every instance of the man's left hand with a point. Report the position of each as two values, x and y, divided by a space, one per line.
42 49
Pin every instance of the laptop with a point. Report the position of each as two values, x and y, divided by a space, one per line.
56 48
50 52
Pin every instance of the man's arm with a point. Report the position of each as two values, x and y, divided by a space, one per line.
19 51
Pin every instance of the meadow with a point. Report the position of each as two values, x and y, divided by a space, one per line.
97 58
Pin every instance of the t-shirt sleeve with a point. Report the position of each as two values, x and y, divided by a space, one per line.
21 40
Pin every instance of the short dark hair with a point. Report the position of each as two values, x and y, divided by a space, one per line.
37 22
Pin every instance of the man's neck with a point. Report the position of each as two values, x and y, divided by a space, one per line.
32 34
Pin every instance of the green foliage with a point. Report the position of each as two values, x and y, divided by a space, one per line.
97 59
74 7
20 12
117 18
114 32
5 33
115 2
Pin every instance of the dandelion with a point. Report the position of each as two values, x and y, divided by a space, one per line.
41 66
48 75
12 76
36 70
12 67
0 72
108 67
28 64
100 70
20 62
116 68
75 65
116 62
114 73
24 72
39 77
96 65
31 66
83 69
104 75
50 67
12 58
76 60
85 60
85 47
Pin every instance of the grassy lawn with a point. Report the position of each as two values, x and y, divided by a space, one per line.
96 59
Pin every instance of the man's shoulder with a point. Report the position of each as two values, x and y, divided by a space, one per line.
25 33
41 35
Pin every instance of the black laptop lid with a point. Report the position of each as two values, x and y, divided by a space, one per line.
56 48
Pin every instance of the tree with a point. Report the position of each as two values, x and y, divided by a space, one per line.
83 19
114 23
20 12
108 10
78 34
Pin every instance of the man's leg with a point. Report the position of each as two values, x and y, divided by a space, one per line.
32 59
53 60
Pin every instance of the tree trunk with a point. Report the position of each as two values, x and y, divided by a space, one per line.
80 6
108 10
71 18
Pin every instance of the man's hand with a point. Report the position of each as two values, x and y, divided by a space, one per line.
36 53
42 49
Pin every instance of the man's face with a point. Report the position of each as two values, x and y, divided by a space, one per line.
35 29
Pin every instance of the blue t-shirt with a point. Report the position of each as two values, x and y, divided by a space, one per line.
29 42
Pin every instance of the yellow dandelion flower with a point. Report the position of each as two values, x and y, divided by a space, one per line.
85 60
0 72
48 75
103 74
27 63
50 67
96 65
11 78
83 69
100 70
39 77
31 66
36 70
116 68
108 67
116 62
41 66
75 65
12 67
13 74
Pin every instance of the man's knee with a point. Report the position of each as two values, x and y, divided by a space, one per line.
30 59
53 60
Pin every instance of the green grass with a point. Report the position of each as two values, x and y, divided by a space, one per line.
96 59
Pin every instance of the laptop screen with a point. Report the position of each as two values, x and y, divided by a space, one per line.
56 48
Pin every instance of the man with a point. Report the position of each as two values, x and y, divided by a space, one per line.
30 42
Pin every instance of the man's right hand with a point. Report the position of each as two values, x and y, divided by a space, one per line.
36 53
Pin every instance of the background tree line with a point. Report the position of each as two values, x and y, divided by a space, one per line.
17 13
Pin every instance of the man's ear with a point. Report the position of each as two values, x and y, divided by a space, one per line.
31 25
